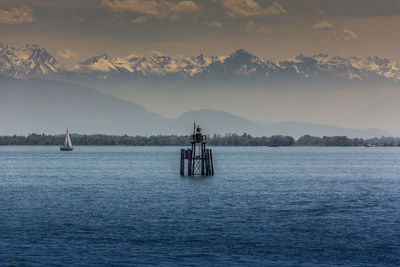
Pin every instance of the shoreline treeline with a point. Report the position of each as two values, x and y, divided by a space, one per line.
215 140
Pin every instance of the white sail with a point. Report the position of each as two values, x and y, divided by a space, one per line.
67 141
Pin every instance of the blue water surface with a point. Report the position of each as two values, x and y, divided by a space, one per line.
122 206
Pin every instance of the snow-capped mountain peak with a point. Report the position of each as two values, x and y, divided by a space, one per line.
27 61
146 65
102 63
242 55
34 61
353 68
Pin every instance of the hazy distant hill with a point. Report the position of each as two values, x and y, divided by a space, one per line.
297 129
41 106
50 107
384 111
221 122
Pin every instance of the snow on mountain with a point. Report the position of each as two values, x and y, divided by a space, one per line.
359 68
102 63
33 61
27 61
146 65
157 65
242 63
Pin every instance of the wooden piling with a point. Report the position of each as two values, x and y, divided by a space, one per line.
193 159
189 154
203 152
182 162
212 163
208 170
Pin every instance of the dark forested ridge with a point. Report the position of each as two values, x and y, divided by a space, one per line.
215 140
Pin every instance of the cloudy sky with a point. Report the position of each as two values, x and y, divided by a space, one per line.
277 29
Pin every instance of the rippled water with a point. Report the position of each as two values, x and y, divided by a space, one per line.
129 206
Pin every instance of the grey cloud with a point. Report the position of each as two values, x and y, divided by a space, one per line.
252 27
353 8
319 11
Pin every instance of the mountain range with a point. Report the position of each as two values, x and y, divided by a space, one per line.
34 61
39 94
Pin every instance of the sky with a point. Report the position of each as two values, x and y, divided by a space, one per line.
76 29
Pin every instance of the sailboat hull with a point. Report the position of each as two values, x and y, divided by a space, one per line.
63 148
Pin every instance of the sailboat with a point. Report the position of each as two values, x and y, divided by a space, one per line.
67 143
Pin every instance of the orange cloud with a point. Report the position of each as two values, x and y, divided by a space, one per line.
17 15
349 35
139 20
266 30
323 25
214 24
249 8
161 9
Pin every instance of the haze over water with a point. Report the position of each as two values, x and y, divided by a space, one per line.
126 206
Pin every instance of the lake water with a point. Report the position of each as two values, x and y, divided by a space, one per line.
121 206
